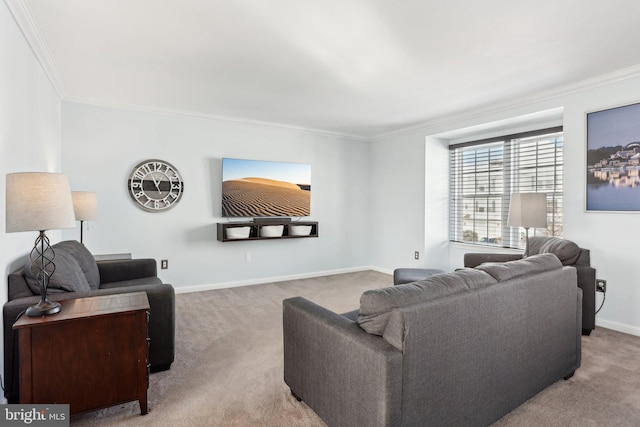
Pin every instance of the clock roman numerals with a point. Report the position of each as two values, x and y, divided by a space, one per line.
155 185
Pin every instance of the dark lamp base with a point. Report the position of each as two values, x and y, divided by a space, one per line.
43 308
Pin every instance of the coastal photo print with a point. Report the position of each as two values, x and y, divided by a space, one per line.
613 159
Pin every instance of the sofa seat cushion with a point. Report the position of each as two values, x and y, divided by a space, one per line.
512 269
566 250
376 305
67 277
154 280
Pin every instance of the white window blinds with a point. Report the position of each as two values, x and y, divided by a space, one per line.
483 174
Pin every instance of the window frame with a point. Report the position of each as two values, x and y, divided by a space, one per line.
543 168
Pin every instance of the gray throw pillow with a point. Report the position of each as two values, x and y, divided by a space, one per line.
85 260
67 277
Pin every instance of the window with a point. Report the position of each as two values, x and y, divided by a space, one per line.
483 174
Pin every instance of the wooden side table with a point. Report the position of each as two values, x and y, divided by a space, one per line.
90 355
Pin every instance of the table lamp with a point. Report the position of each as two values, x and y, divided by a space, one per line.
39 201
528 210
85 207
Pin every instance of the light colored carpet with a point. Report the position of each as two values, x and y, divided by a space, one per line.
228 368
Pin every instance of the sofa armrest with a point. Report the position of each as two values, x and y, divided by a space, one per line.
472 260
329 359
126 269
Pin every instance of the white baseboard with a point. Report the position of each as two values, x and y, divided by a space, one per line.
381 270
262 280
620 327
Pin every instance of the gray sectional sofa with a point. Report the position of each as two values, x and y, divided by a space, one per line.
456 349
78 275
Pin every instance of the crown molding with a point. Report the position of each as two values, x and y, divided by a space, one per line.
216 118
500 107
31 32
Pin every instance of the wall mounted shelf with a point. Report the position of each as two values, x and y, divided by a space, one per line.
255 230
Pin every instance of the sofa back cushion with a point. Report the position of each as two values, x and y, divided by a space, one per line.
503 271
566 250
376 305
67 277
525 271
17 284
75 269
85 260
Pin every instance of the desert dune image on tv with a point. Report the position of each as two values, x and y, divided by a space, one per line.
256 188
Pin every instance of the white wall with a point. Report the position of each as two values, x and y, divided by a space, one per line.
101 145
609 236
29 133
401 223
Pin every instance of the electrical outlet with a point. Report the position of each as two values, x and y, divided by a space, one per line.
164 264
601 286
416 255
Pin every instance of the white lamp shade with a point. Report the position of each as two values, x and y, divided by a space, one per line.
85 205
528 210
38 201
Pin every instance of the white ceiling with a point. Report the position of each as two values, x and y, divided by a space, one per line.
359 67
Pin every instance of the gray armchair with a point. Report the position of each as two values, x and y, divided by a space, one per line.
78 275
570 254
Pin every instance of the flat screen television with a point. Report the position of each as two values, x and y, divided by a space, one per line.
257 188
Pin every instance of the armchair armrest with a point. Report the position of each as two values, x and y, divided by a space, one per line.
328 359
472 260
587 282
126 269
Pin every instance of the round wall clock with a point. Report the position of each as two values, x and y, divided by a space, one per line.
155 185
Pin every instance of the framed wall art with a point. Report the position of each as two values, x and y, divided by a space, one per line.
613 159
